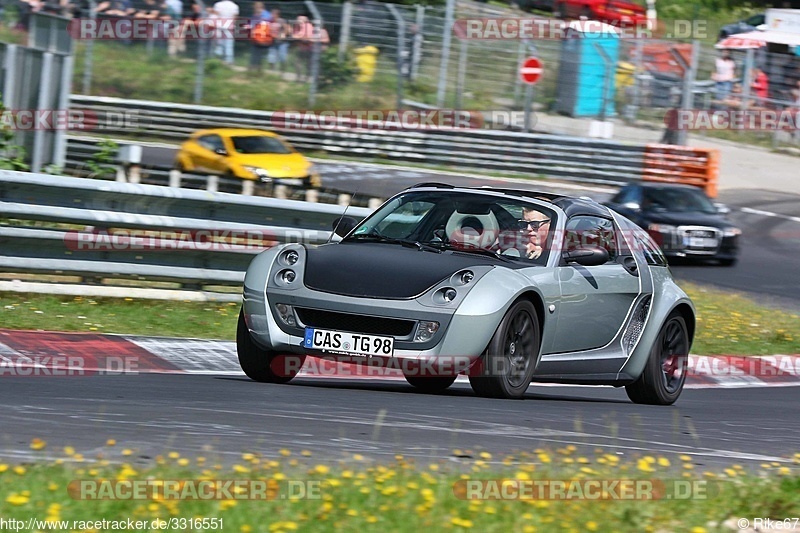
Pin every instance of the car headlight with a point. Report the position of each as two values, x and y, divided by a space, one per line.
731 232
662 228
259 172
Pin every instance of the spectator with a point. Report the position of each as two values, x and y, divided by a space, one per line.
306 35
226 12
795 92
175 41
261 38
281 31
724 75
760 86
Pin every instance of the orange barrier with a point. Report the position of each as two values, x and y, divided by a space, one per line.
682 164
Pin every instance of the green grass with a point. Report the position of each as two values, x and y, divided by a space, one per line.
727 323
110 315
400 495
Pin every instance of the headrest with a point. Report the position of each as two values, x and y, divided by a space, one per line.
472 230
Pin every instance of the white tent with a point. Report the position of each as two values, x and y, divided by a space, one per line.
757 39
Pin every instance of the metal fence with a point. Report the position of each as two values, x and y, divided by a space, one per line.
35 82
145 232
642 81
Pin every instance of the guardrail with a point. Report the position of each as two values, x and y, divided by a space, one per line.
106 230
570 158
80 150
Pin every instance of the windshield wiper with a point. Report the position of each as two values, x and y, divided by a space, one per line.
476 250
393 240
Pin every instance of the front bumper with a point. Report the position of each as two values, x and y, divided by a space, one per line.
465 325
698 243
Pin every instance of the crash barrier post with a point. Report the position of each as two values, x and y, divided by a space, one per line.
682 164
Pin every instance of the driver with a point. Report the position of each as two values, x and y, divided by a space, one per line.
535 226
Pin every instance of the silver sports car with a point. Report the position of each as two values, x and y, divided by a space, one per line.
508 287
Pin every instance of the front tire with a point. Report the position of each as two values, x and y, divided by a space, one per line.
432 383
664 374
262 365
506 367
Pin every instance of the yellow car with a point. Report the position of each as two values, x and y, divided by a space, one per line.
246 154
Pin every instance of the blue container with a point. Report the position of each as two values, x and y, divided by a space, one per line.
585 77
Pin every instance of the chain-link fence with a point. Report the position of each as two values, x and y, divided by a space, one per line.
406 54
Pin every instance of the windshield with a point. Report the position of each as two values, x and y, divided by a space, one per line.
476 223
678 200
259 144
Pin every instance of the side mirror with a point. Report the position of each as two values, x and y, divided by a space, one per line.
343 225
586 256
220 151
722 209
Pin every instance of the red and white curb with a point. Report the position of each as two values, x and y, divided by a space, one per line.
54 353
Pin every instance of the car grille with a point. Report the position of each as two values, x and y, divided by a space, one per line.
374 325
701 233
699 239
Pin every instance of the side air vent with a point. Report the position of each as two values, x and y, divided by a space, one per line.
636 325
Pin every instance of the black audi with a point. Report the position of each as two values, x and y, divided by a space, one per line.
681 219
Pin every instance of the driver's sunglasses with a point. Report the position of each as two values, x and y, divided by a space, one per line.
533 224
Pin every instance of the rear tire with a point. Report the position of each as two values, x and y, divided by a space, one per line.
431 384
262 365
506 367
664 373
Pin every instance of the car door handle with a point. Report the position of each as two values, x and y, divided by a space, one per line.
629 264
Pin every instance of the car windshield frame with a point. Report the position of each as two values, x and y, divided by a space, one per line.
461 221
663 199
276 147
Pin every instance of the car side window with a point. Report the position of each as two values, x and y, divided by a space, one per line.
211 142
589 230
652 253
629 195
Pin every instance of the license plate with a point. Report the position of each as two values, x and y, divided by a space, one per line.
700 242
340 342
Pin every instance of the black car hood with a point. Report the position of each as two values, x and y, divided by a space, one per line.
379 270
689 218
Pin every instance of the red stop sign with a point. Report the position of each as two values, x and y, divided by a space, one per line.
531 70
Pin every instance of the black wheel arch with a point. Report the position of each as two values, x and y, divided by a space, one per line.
536 299
687 313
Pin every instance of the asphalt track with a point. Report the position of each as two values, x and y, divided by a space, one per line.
770 220
221 417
